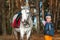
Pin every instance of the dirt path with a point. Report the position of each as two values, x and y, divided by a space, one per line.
33 37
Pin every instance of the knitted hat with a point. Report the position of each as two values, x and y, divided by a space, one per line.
48 14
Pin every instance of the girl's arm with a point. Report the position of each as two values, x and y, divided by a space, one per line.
43 21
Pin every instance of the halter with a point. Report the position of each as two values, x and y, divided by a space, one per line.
27 21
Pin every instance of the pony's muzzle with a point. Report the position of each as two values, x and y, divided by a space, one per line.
24 21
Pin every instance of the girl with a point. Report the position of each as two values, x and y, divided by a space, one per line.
48 27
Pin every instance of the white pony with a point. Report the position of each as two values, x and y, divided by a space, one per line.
26 24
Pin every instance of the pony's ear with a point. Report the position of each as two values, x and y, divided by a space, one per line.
25 7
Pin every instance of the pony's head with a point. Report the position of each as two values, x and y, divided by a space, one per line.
25 14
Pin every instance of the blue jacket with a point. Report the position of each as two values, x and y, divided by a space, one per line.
49 29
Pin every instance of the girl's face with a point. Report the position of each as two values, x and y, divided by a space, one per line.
48 18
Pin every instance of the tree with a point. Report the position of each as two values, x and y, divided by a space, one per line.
3 17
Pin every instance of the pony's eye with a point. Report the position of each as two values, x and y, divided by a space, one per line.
28 13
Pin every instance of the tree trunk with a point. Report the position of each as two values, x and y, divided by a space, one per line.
3 18
0 23
38 18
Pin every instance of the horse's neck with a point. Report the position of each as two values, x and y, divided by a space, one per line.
30 20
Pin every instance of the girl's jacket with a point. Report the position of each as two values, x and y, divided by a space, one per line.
48 28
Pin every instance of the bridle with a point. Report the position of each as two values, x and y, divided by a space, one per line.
26 10
26 22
